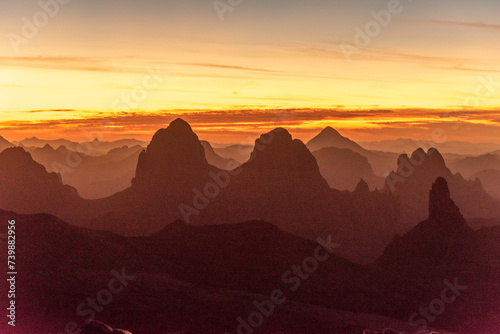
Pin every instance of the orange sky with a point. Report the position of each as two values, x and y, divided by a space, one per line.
143 63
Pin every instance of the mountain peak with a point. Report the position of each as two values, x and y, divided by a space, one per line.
435 239
441 206
362 187
330 131
173 154
277 156
17 154
329 137
180 123
435 156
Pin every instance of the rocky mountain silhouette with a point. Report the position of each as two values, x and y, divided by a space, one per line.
5 144
343 168
27 187
436 239
416 174
329 137
406 145
281 183
281 174
174 158
443 248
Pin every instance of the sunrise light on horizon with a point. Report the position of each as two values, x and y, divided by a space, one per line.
427 65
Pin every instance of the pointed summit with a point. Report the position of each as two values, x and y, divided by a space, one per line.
362 187
441 206
4 144
434 239
329 131
329 137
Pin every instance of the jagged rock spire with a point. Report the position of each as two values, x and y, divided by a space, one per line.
441 206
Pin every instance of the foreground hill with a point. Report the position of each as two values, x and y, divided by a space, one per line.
204 278
444 249
187 278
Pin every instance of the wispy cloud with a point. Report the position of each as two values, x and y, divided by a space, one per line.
232 67
464 24
94 64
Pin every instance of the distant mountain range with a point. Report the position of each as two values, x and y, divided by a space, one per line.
410 145
93 176
472 165
282 182
5 144
94 147
490 179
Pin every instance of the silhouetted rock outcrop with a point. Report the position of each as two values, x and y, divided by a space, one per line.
441 206
415 176
437 240
444 251
27 187
174 158
280 183
5 144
